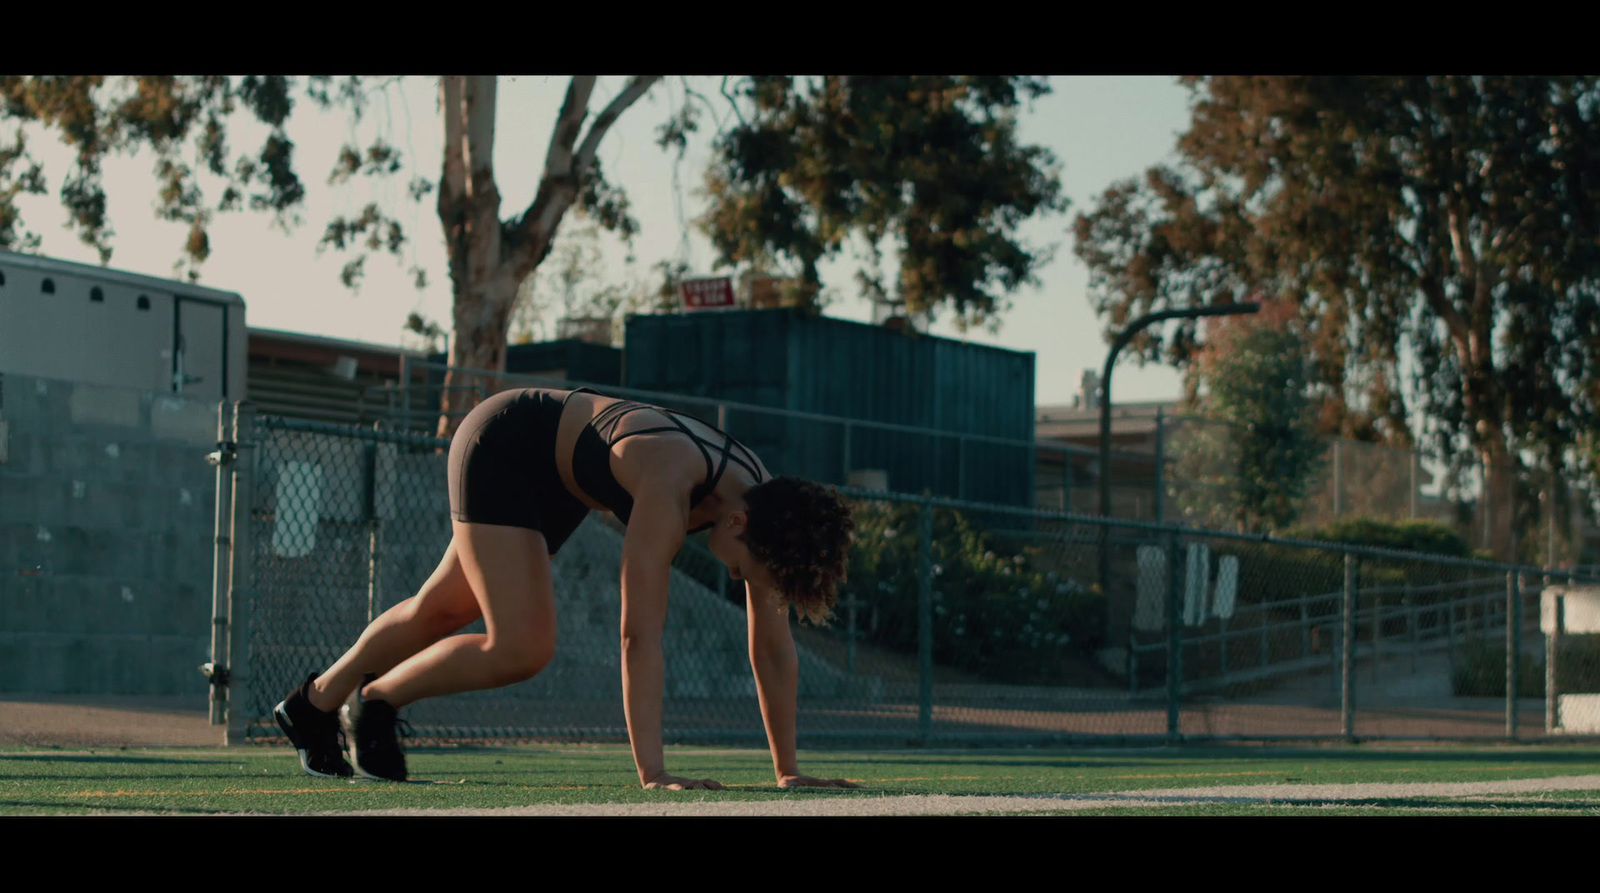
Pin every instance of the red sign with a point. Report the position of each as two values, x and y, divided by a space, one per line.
707 294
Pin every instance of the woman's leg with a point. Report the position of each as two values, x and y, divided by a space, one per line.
444 604
507 571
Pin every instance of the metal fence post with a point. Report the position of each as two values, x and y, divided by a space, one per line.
1338 484
1266 650
221 558
241 583
925 619
845 478
374 526
1377 632
850 633
1347 688
1513 651
1450 632
961 467
1552 647
1305 627
1222 646
405 392
1488 524
1411 624
1174 639
1161 462
1416 464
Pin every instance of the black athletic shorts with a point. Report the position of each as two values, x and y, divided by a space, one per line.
503 466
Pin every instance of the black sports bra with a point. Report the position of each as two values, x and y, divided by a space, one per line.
591 457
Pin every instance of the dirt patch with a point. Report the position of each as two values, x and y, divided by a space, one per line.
107 721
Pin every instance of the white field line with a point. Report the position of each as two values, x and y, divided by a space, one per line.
945 804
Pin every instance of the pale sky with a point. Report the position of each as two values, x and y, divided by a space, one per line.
1101 129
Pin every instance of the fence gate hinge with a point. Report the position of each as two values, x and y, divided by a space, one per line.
226 452
216 673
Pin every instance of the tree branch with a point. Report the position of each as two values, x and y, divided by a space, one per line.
1460 334
557 187
569 123
564 169
695 94
477 110
636 88
453 182
732 102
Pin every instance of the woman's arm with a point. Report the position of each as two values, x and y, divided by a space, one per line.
655 533
777 670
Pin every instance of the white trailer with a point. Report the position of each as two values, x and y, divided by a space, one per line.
80 322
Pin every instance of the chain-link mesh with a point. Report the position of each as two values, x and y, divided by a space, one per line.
959 621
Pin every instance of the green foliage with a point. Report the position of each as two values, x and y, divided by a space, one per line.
29 181
1451 217
1260 460
1273 573
572 283
929 162
993 613
1480 671
1480 668
171 116
1428 537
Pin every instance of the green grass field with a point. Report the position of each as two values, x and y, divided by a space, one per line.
1222 781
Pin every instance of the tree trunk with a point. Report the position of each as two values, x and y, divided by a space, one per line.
489 259
478 342
1499 499
469 209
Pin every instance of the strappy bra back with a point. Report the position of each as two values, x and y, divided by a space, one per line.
591 457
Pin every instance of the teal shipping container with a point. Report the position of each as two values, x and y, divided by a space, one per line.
954 392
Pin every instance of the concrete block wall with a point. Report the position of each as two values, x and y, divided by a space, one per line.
107 509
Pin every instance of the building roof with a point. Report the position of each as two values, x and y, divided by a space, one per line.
336 343
107 274
1074 423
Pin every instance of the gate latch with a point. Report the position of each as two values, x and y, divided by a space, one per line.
216 673
226 452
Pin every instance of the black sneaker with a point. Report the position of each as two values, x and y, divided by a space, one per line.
314 733
371 727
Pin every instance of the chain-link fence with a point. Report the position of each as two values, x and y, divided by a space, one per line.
1164 467
959 622
1209 473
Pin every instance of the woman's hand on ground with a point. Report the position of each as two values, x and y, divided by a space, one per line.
806 781
665 782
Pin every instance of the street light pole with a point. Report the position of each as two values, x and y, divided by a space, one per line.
1117 344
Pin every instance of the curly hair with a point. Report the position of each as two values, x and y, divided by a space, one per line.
801 531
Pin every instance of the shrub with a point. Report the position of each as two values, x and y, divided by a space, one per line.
1480 669
994 613
1273 573
1427 537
